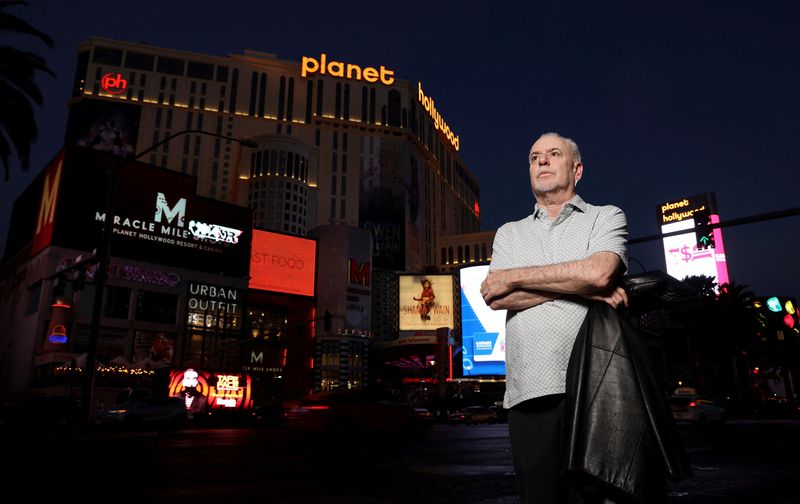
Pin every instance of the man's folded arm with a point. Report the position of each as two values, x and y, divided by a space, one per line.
587 276
522 299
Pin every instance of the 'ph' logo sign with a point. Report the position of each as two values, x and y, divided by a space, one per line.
114 83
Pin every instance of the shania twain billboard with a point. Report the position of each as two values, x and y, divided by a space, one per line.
426 302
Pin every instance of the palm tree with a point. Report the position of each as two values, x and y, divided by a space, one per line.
737 330
18 88
704 285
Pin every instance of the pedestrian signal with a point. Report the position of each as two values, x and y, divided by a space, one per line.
704 234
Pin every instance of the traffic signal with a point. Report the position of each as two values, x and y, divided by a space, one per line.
327 321
704 234
778 311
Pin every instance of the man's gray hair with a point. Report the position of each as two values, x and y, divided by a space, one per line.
576 153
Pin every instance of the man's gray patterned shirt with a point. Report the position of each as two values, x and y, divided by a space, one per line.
539 339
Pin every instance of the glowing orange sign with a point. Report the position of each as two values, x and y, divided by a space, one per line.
47 205
438 122
282 263
345 70
114 83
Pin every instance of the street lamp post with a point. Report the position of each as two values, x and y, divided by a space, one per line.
103 256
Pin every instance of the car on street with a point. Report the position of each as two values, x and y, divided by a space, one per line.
696 409
351 413
167 411
472 415
425 415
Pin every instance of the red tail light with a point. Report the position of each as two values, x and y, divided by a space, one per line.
318 407
692 404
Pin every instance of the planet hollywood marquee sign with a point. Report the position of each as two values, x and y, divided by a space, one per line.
168 226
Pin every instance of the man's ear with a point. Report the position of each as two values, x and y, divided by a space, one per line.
578 169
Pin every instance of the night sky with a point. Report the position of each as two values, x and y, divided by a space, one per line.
664 102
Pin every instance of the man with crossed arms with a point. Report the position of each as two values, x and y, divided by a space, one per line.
546 270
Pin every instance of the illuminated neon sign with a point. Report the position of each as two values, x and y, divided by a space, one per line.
681 253
114 83
345 70
47 207
216 390
59 335
428 103
199 231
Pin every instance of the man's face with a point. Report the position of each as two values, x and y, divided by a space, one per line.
552 168
190 378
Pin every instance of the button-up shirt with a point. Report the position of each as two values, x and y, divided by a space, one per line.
539 339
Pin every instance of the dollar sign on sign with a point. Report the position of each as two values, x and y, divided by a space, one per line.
687 256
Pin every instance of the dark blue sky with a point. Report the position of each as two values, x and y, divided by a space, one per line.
665 102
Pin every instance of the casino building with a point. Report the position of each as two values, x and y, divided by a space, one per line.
347 167
339 142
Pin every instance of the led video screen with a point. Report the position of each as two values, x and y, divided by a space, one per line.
483 330
282 263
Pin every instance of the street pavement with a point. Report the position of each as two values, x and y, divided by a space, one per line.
739 462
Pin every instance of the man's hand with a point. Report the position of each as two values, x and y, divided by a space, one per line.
497 284
614 297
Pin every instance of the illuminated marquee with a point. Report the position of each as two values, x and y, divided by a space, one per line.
345 70
681 254
430 107
218 390
166 232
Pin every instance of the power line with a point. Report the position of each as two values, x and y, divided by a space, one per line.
779 214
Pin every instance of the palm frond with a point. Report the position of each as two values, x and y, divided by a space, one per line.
12 24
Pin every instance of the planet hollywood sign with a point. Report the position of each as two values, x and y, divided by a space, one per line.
168 226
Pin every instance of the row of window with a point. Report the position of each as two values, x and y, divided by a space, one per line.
279 206
393 114
161 64
463 254
280 163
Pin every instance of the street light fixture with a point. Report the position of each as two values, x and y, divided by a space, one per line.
103 255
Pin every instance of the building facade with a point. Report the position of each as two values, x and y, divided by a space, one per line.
350 153
338 142
456 251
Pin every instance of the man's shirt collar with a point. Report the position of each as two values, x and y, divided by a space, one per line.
576 203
